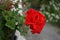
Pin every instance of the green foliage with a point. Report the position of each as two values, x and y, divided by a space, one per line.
52 12
2 25
8 20
11 18
2 35
24 29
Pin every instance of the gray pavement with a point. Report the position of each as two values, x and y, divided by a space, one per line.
49 32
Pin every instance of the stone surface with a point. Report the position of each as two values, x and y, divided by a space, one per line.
49 32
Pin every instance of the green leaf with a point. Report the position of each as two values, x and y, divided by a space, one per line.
11 24
2 35
23 29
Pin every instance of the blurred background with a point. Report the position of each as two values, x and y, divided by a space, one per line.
51 9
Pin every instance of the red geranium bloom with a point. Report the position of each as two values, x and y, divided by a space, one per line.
35 19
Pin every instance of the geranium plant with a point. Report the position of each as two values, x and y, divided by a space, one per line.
12 18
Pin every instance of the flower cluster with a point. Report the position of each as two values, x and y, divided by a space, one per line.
36 20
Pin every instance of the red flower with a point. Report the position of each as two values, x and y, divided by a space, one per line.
36 20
